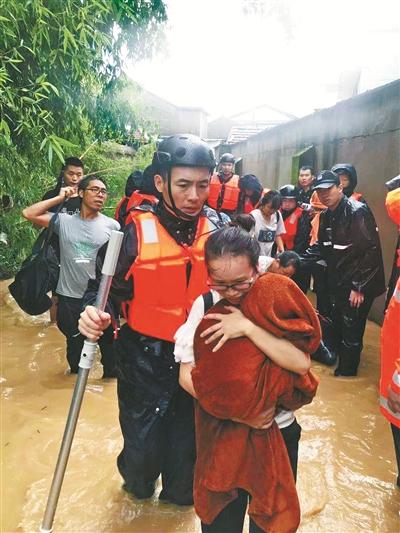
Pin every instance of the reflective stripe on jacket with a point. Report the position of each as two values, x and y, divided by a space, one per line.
168 277
390 356
291 223
224 195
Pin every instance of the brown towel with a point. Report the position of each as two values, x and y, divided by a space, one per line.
240 382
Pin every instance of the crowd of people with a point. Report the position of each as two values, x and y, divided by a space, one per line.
214 262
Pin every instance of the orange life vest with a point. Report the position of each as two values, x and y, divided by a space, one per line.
291 223
163 295
118 208
137 198
224 196
390 356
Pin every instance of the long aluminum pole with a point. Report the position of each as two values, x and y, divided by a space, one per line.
85 364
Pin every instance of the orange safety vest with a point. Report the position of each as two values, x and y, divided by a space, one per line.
224 196
163 295
137 198
118 208
291 223
390 356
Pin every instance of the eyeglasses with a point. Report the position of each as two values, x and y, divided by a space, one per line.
97 191
240 286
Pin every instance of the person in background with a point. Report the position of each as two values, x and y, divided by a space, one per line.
348 241
269 227
298 226
80 237
159 273
146 194
70 175
390 338
394 185
348 178
133 183
224 187
251 192
304 188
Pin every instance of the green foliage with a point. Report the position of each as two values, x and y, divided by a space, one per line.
61 92
58 61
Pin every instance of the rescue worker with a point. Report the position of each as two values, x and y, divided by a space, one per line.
146 193
348 178
348 241
224 187
251 192
304 188
390 342
298 226
160 272
133 183
392 185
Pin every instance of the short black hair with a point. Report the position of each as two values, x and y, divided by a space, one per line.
272 197
307 167
73 161
244 221
234 242
84 183
289 258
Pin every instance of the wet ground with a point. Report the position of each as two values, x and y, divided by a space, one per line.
346 468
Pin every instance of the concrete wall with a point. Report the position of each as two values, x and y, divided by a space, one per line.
363 131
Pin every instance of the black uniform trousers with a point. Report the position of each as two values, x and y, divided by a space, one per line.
156 417
348 328
231 518
68 313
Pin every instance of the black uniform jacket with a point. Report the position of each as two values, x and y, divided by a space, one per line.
348 240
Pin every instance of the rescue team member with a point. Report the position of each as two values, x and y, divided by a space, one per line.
224 187
80 236
348 178
146 193
304 188
390 341
392 185
160 272
70 176
251 192
348 241
133 183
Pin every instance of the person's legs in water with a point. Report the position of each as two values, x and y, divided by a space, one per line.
396 440
68 312
291 435
231 518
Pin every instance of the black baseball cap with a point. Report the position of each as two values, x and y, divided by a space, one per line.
326 179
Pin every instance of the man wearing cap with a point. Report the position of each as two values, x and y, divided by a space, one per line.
224 187
160 272
348 241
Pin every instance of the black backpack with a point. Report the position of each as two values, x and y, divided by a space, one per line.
38 275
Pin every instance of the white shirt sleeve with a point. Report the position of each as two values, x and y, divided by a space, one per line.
184 336
280 227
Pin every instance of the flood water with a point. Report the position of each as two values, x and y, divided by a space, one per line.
346 466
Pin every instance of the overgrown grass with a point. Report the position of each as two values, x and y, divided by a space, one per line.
26 179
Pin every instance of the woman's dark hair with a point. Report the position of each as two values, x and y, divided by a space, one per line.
246 222
272 197
234 242
252 183
289 258
84 183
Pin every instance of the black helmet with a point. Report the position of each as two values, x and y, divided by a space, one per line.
227 158
345 168
288 191
183 151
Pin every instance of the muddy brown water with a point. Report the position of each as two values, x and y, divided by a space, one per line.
346 465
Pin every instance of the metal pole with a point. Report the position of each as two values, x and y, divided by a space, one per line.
85 364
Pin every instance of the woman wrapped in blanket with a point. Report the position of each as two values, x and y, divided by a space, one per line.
260 371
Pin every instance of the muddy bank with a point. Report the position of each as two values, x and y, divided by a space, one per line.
346 467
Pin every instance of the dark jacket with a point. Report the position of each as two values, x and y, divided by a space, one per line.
348 240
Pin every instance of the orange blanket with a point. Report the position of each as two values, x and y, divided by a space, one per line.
239 382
